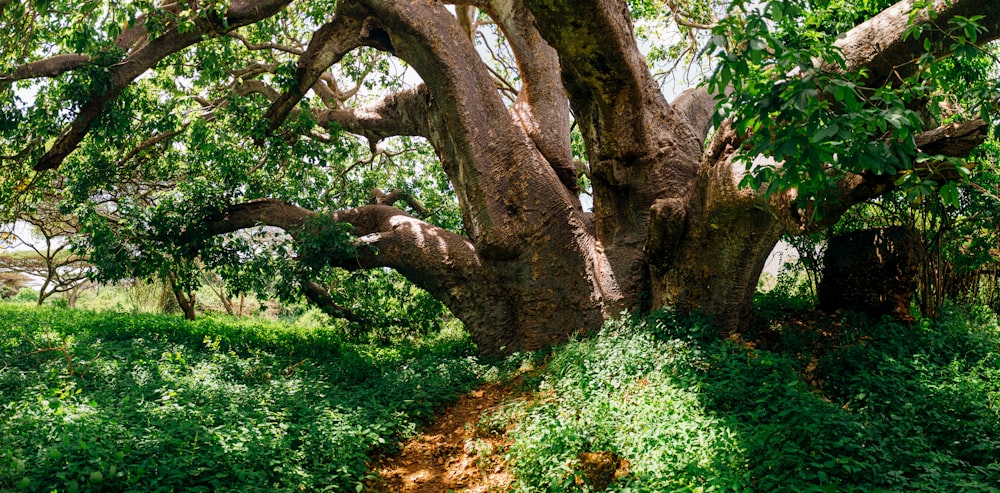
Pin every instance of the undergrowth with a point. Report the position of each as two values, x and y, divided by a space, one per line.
840 405
123 402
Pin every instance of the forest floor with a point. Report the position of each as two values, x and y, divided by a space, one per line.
453 454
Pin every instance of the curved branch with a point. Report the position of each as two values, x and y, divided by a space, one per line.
541 105
62 63
146 57
439 261
482 149
152 141
387 237
328 46
378 197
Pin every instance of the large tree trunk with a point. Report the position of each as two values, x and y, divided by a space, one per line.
671 225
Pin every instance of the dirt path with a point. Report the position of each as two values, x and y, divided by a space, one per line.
450 455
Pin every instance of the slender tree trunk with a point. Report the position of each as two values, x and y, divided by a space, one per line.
185 297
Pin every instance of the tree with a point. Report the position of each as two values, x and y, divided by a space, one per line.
809 123
48 253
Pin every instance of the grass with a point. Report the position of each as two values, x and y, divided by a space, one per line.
846 406
125 402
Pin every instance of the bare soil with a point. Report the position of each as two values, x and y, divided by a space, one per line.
451 455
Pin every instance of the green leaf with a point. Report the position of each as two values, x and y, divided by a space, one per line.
949 194
824 133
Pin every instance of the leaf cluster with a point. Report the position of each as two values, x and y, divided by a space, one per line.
804 122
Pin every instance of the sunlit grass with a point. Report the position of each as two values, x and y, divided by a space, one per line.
890 408
153 403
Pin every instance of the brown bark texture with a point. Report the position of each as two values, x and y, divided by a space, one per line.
670 224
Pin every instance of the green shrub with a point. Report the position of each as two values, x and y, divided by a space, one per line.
143 403
889 409
26 295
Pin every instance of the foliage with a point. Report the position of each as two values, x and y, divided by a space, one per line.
124 402
880 407
793 101
171 149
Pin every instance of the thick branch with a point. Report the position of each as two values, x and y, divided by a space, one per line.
387 237
619 105
954 140
482 149
696 106
62 63
47 67
541 105
878 45
268 212
328 45
402 113
439 261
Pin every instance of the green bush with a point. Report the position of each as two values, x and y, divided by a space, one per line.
124 402
889 408
26 295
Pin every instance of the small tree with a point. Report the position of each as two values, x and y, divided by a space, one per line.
50 254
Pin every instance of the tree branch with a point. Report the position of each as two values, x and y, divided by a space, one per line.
878 45
378 197
541 104
265 46
621 109
439 261
47 67
150 142
402 113
146 57
954 140
328 46
696 105
321 297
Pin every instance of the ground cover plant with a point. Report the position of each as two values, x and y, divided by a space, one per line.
825 404
125 402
